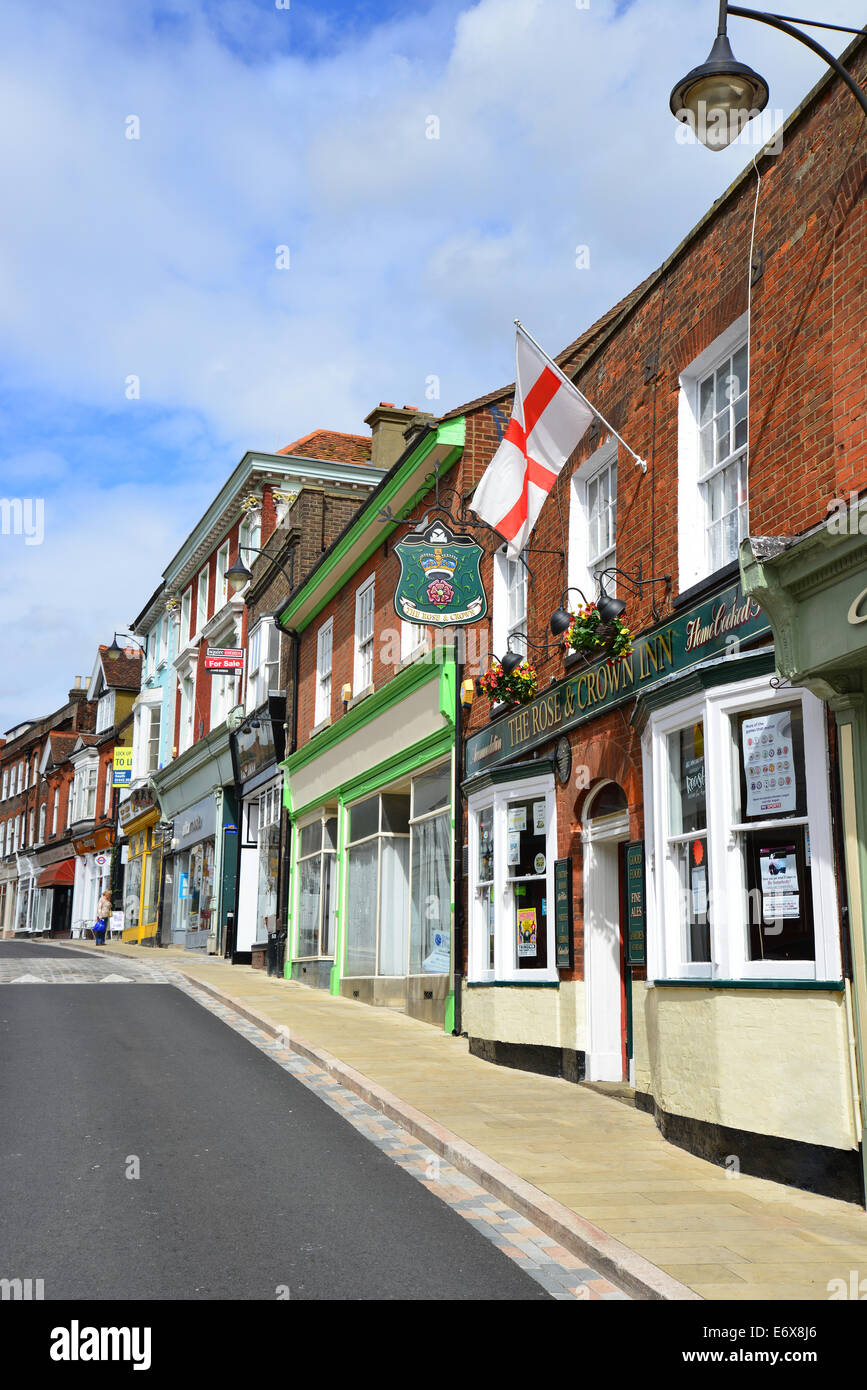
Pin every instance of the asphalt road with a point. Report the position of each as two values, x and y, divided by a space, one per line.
247 1181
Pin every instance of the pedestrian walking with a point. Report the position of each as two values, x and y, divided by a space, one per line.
103 912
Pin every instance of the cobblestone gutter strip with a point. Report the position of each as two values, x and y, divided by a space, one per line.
610 1257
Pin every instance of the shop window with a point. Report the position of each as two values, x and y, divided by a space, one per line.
132 892
513 841
317 892
744 886
377 887
712 456
430 873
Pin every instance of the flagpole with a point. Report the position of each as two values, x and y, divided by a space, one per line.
640 462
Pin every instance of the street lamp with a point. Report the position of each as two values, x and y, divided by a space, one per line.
718 98
114 651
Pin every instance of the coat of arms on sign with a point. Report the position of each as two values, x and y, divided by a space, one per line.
439 582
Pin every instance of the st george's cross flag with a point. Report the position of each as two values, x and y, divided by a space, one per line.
548 419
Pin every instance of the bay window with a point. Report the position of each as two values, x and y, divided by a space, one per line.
741 857
512 847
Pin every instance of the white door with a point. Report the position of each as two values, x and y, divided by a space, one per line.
602 946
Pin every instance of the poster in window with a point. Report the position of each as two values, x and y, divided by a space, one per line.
538 818
437 962
517 818
781 894
699 890
769 764
513 855
526 931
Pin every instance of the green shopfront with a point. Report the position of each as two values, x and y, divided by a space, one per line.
652 896
370 801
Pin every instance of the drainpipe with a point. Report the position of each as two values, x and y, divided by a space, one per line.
459 845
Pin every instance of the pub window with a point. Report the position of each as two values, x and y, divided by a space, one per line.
513 842
744 887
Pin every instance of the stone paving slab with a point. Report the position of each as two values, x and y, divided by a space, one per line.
565 1148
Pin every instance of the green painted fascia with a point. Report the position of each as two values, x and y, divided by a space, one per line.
404 683
836 985
450 434
434 746
448 682
507 773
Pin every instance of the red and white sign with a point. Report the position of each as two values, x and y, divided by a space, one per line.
224 659
548 419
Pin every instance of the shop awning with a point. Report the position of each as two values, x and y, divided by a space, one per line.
60 875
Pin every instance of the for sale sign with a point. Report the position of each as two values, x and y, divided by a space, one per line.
224 659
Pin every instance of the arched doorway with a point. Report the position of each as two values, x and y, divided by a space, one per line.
606 830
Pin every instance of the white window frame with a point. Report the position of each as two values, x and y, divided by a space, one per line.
186 634
152 765
324 668
413 638
323 815
163 640
43 813
582 567
511 583
729 936
497 797
105 712
263 662
365 614
692 555
221 587
202 599
109 779
56 813
187 695
250 537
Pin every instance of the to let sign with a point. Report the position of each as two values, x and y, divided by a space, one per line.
563 912
224 659
636 903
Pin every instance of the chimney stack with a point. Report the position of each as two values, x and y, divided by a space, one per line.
390 427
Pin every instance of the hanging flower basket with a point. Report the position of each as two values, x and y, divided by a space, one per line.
591 636
516 688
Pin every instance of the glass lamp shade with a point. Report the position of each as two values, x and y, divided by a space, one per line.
114 651
237 576
719 98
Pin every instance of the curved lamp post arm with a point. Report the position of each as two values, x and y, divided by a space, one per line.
784 24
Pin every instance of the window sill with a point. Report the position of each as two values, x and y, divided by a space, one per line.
837 985
706 586
317 729
415 655
362 695
510 984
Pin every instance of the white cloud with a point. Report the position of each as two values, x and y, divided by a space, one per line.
409 255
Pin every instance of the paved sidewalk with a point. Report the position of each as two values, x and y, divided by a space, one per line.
596 1166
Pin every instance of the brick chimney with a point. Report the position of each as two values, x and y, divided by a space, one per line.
391 426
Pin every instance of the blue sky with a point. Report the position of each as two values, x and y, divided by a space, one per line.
260 127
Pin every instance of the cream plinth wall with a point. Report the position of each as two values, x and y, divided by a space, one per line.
767 1061
527 1014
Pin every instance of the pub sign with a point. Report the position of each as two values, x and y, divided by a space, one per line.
440 584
